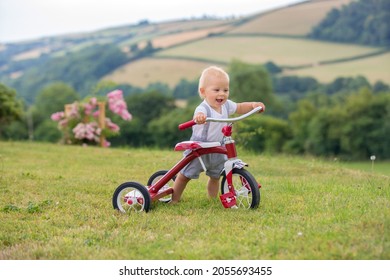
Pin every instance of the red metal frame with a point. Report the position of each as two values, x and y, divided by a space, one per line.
229 148
153 189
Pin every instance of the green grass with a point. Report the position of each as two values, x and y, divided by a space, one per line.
55 203
381 167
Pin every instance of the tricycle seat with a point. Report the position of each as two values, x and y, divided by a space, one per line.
193 145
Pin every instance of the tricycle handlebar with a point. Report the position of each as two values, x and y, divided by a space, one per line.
229 120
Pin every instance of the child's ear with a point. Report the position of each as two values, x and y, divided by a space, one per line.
201 91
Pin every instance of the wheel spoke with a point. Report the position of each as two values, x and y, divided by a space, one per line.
128 200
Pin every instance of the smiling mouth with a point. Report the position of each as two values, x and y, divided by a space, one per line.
220 100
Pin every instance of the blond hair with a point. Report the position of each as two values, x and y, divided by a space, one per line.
213 71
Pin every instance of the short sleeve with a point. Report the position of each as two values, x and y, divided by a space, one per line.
232 107
200 108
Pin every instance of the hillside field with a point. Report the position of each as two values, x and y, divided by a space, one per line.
56 204
291 20
167 70
373 68
185 46
187 61
276 36
282 51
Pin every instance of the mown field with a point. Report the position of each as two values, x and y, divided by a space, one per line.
275 36
292 20
282 51
373 68
187 61
152 70
55 203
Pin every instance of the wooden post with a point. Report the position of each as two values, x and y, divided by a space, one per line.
102 120
68 107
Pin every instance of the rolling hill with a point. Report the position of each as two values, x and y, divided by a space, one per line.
292 20
276 36
181 48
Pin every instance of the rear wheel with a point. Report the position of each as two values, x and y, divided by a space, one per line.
157 176
246 188
131 197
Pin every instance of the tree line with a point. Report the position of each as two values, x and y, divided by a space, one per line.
361 22
348 118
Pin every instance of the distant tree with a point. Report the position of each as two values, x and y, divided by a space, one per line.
354 126
299 121
347 84
363 22
323 133
10 107
144 108
134 48
379 86
159 87
164 130
143 22
185 89
272 67
265 134
366 129
51 99
294 85
250 83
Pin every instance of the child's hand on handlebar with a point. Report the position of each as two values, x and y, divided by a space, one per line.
200 118
258 104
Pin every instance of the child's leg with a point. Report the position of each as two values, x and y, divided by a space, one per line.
212 187
178 187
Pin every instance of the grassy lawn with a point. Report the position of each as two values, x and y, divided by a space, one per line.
55 203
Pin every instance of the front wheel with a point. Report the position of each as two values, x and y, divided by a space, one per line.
246 188
131 197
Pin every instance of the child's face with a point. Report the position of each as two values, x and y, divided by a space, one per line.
216 91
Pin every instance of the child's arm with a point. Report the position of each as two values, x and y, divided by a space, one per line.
245 107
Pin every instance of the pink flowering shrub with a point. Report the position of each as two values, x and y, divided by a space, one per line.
80 122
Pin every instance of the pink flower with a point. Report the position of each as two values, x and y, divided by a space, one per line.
88 109
126 115
74 111
57 116
96 114
117 105
115 94
106 143
93 101
63 123
89 131
86 115
79 131
90 106
112 126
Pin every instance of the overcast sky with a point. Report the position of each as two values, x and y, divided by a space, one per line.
32 19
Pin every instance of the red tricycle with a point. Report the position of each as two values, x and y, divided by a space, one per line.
239 188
